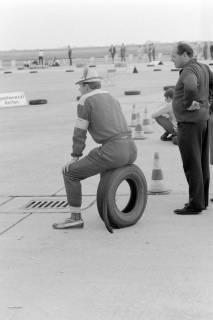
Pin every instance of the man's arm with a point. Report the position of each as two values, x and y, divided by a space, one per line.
166 108
80 131
211 89
190 88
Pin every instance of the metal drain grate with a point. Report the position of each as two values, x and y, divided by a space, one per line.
49 204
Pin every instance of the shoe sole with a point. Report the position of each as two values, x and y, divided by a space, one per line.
187 212
57 226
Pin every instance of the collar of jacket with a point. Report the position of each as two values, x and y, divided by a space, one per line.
191 61
89 94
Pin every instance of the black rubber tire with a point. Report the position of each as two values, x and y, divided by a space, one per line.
106 194
157 69
168 87
210 63
33 71
101 200
175 69
7 72
132 92
69 70
38 101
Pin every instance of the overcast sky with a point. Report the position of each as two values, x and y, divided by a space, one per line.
40 24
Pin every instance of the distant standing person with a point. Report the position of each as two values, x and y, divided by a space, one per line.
41 57
123 53
149 52
198 51
211 50
112 51
153 52
191 109
70 55
139 53
205 50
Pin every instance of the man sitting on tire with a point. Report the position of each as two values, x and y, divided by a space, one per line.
100 114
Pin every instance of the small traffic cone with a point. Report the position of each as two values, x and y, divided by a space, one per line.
147 123
139 133
157 185
135 70
133 117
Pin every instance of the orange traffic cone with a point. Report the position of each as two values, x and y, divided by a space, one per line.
139 133
147 123
133 117
157 185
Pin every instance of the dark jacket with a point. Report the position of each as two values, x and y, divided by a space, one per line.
193 85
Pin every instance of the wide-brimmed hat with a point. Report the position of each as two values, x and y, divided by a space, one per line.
89 75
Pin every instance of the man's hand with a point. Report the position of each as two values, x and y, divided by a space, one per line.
194 106
66 167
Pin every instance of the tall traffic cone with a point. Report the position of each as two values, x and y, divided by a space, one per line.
139 133
133 117
147 123
157 185
135 70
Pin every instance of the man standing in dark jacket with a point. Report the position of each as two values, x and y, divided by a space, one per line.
191 109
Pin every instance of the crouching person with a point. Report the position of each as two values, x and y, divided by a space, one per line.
100 114
164 116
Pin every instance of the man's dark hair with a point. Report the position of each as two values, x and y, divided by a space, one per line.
93 85
169 93
184 47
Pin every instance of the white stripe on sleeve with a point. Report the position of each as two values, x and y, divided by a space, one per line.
81 123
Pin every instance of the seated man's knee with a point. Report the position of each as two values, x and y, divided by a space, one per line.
67 170
71 171
63 169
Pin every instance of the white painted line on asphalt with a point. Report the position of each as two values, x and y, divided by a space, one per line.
14 224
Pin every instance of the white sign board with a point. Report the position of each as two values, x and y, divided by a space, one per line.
12 99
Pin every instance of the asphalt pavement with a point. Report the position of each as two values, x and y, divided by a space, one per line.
158 269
